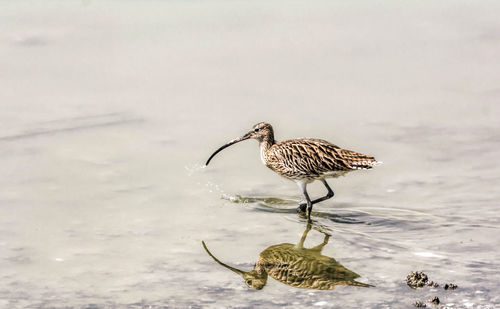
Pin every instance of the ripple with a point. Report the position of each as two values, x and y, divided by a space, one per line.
385 218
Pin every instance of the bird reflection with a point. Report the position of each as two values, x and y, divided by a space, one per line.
296 266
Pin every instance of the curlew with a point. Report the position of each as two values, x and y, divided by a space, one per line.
296 266
304 160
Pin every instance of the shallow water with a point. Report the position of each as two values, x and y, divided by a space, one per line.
110 109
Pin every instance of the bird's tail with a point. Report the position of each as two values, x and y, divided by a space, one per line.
358 161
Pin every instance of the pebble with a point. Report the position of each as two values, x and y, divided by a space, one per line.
450 286
434 300
419 304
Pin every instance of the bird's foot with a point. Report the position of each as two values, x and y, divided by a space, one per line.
302 207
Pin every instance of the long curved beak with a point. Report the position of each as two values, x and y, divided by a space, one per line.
234 141
239 272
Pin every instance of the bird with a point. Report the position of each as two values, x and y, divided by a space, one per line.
303 160
297 266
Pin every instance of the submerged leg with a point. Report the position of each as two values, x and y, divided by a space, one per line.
320 246
304 235
327 196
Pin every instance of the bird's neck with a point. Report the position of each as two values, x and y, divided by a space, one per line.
264 145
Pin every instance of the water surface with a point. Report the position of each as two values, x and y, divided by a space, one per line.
110 109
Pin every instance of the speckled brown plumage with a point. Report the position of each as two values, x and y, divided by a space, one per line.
297 266
308 159
305 268
304 160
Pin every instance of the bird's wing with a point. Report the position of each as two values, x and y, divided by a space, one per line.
314 157
304 157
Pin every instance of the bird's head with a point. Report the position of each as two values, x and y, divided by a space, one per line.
260 132
254 279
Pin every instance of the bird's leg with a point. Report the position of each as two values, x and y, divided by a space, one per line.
308 205
327 196
320 246
304 235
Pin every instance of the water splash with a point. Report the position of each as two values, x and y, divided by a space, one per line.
261 200
213 187
192 169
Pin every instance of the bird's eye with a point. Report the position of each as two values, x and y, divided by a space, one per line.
256 130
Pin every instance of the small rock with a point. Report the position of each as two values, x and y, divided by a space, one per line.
416 279
450 286
432 284
419 304
434 300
